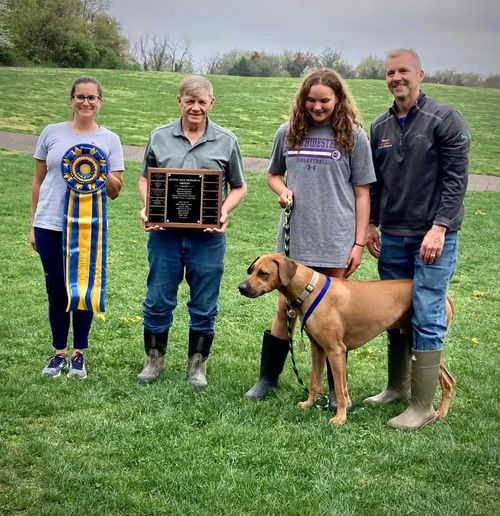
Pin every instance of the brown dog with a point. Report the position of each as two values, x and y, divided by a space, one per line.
350 314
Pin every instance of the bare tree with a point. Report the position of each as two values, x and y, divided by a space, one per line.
138 50
152 53
330 58
160 53
179 52
90 8
211 64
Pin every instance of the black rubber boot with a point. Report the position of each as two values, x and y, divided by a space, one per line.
272 361
199 349
332 398
155 346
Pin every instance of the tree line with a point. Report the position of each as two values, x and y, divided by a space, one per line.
66 33
81 34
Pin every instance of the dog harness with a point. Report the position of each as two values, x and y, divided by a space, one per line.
315 303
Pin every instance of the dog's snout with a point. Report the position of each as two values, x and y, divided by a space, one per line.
243 287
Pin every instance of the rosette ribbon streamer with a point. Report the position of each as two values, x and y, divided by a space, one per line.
85 169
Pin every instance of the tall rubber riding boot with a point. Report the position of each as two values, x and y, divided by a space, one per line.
199 349
332 398
398 370
272 360
424 379
155 346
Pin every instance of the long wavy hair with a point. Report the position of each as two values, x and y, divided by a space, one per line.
344 116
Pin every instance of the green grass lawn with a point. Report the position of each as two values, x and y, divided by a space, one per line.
252 107
107 445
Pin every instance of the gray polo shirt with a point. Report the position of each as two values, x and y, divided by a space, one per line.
217 149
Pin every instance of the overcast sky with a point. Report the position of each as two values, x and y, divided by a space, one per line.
459 34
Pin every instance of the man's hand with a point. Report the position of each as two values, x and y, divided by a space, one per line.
224 220
373 241
432 244
144 219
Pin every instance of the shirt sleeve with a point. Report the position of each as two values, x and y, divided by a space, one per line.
116 159
362 172
376 186
277 164
41 149
149 159
453 138
235 173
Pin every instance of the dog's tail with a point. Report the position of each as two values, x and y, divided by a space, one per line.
450 309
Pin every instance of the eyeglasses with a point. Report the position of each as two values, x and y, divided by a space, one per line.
80 99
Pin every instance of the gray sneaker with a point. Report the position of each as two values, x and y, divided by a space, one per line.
56 365
77 367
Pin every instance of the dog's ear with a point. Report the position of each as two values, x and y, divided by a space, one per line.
250 267
286 269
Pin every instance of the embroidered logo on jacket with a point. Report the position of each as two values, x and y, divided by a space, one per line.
385 143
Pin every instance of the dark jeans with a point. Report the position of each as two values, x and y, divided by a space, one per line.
49 245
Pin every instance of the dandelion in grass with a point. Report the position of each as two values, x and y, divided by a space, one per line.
131 319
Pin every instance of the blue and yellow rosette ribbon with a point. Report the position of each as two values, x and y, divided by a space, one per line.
85 169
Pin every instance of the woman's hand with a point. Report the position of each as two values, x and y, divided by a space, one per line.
31 239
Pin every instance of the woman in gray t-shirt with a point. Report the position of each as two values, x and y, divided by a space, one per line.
81 134
321 159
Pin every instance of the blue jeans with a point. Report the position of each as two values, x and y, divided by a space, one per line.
50 249
200 256
400 258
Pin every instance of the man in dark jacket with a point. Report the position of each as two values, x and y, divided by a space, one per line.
420 151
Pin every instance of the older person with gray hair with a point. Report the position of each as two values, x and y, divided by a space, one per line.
193 141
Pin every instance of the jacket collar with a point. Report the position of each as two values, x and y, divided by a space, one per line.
422 98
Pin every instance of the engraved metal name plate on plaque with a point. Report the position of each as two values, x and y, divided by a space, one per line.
184 198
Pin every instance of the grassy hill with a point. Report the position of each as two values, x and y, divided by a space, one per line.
252 107
108 446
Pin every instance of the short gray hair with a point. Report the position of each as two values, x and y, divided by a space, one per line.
398 51
192 84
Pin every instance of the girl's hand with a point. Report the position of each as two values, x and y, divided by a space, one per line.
354 261
284 196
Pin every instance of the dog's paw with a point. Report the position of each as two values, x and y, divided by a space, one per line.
305 404
338 420
441 413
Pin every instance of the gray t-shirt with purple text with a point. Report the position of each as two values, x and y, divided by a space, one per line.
322 179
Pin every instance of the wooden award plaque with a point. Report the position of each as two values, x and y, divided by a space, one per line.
180 198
